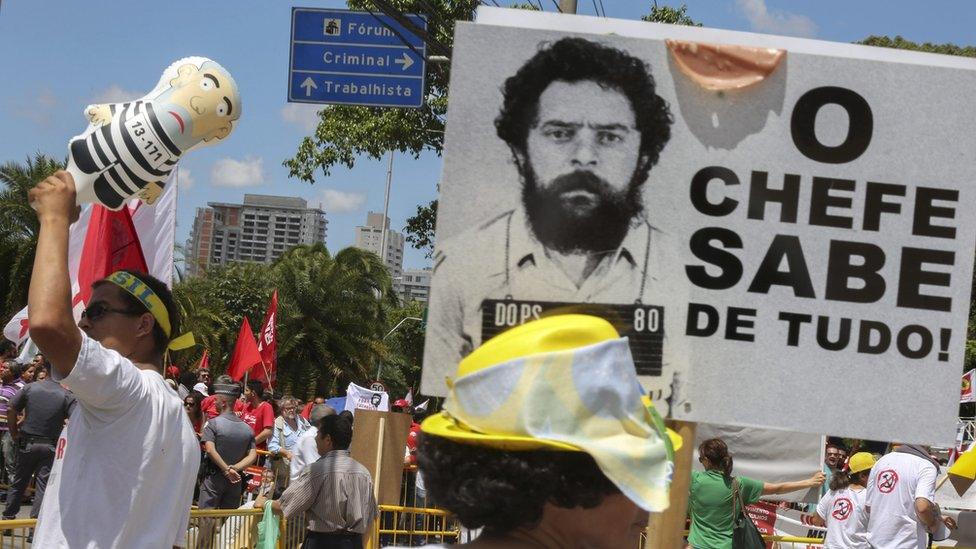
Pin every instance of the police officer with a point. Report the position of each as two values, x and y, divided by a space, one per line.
45 404
229 444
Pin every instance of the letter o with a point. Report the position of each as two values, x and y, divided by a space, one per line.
859 129
925 344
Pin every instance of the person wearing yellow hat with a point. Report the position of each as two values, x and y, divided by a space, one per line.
842 508
546 441
126 463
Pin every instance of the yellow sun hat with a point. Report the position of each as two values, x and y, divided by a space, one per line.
564 383
861 461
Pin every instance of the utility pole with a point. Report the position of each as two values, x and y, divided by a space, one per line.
386 210
567 6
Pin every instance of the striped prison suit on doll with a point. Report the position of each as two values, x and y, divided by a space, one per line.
128 153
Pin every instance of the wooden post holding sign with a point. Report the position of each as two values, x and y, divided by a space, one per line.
378 442
666 530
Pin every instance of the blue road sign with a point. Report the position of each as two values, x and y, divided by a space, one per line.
355 58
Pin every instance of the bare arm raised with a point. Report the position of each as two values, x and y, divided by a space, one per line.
52 326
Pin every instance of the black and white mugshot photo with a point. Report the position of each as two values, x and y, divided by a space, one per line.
584 128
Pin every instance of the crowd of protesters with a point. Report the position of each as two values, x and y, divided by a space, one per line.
538 467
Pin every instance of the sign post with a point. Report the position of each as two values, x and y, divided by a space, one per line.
355 58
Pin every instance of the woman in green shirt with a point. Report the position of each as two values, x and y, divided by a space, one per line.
710 500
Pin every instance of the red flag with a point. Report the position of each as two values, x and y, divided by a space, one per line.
136 237
246 353
111 244
268 344
204 360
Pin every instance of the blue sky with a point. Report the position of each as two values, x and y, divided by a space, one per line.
59 56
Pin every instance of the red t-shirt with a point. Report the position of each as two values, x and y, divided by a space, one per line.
259 418
412 438
209 406
307 410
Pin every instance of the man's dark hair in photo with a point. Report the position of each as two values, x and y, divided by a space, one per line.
339 429
160 339
575 60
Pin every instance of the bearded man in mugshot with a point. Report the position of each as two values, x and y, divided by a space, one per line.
585 126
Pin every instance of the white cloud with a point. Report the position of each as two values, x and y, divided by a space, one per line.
302 115
335 201
115 94
228 172
776 22
186 179
38 108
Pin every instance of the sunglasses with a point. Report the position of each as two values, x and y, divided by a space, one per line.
188 404
98 310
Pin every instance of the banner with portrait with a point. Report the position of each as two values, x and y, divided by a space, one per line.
765 218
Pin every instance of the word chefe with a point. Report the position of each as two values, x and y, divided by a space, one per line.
853 267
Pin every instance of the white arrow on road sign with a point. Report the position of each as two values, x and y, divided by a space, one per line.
309 85
405 61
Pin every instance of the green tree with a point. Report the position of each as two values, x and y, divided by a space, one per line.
331 322
18 227
902 44
420 228
214 305
401 371
672 16
330 319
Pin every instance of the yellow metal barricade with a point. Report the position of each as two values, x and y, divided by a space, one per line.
403 526
237 529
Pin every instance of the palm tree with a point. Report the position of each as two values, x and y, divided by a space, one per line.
213 306
332 310
18 227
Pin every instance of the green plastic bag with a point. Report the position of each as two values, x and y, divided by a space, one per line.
268 529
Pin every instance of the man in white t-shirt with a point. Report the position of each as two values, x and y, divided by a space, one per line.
901 500
125 465
306 452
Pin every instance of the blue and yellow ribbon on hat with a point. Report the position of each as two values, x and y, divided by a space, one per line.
141 291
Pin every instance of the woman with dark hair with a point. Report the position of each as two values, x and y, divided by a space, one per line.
192 406
710 498
521 453
842 509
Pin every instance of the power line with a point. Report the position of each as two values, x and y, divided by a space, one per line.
603 9
560 10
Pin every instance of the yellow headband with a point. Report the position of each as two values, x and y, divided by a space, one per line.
141 291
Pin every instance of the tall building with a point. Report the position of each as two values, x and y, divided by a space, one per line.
413 285
259 230
370 237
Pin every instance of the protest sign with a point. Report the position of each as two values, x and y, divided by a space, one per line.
361 398
790 232
379 444
769 455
